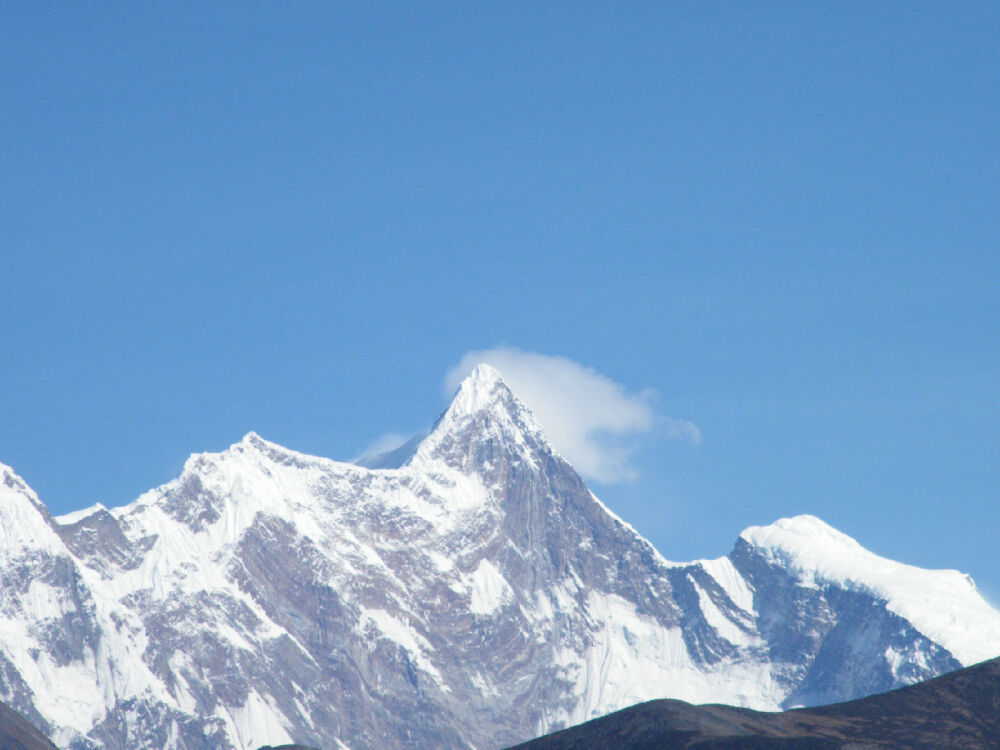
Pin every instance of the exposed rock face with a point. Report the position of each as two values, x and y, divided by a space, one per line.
475 595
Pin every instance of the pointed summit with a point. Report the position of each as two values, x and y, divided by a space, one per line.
254 444
25 523
485 391
480 389
483 409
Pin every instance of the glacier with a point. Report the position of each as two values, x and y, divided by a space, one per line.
466 592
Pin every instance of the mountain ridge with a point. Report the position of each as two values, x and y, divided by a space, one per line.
479 594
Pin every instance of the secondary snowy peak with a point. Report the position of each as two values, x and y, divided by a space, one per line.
801 537
944 605
75 516
251 455
25 523
255 447
13 489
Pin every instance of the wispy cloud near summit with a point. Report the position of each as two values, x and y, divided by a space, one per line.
590 419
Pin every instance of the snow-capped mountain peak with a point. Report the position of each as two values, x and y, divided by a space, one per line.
944 605
14 490
25 523
485 391
470 593
801 536
483 405
479 390
483 412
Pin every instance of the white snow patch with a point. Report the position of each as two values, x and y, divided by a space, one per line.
67 695
488 589
257 722
725 627
404 635
729 578
442 563
630 653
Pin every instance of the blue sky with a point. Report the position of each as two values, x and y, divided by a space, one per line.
778 223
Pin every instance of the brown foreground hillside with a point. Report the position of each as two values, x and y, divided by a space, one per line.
16 733
955 711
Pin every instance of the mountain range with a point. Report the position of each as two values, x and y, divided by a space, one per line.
466 591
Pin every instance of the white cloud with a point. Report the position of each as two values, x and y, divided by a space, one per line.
681 429
383 444
589 418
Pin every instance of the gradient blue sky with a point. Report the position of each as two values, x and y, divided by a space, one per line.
779 221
